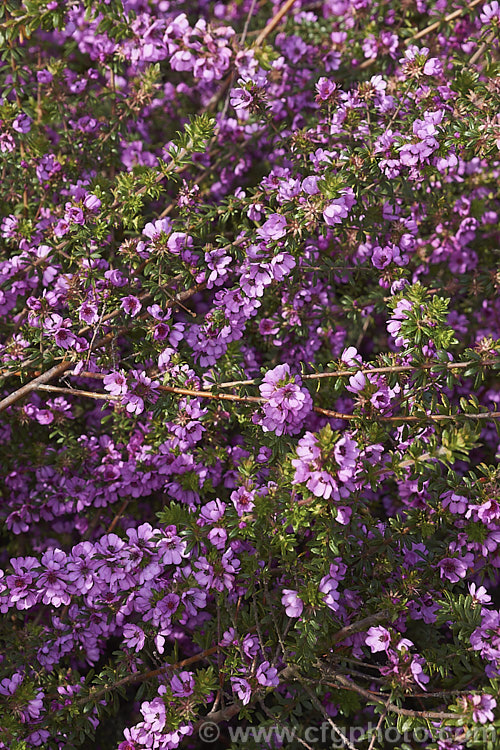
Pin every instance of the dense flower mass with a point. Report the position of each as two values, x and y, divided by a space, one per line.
286 404
248 369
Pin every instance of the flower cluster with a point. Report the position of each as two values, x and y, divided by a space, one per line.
248 354
287 403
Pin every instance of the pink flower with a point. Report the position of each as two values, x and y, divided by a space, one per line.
292 603
241 99
242 689
378 639
88 313
274 228
338 209
325 88
482 708
490 13
133 636
182 684
131 305
267 675
115 383
452 568
64 338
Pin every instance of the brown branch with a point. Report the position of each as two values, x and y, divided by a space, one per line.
379 725
259 400
141 676
25 390
319 706
77 392
427 30
58 370
446 19
356 627
409 417
218 716
374 370
115 520
343 682
269 28
482 49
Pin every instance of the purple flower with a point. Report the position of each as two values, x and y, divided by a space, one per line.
88 313
182 684
292 603
328 587
22 590
267 675
80 568
171 547
452 568
44 76
381 257
218 263
418 673
483 706
378 639
154 229
154 715
356 382
433 67
218 537
338 209
52 581
92 202
178 241
287 403
490 13
344 514
73 214
456 503
22 123
274 228
243 500
9 685
133 636
325 88
310 185
131 305
212 511
323 476
140 389
241 99
64 338
479 594
115 383
242 689
250 645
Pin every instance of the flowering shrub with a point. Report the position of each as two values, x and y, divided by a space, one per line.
249 371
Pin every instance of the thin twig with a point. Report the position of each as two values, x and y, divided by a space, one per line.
131 679
121 511
374 371
274 22
446 19
78 392
343 682
59 369
482 49
25 390
247 22
379 724
317 703
260 400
